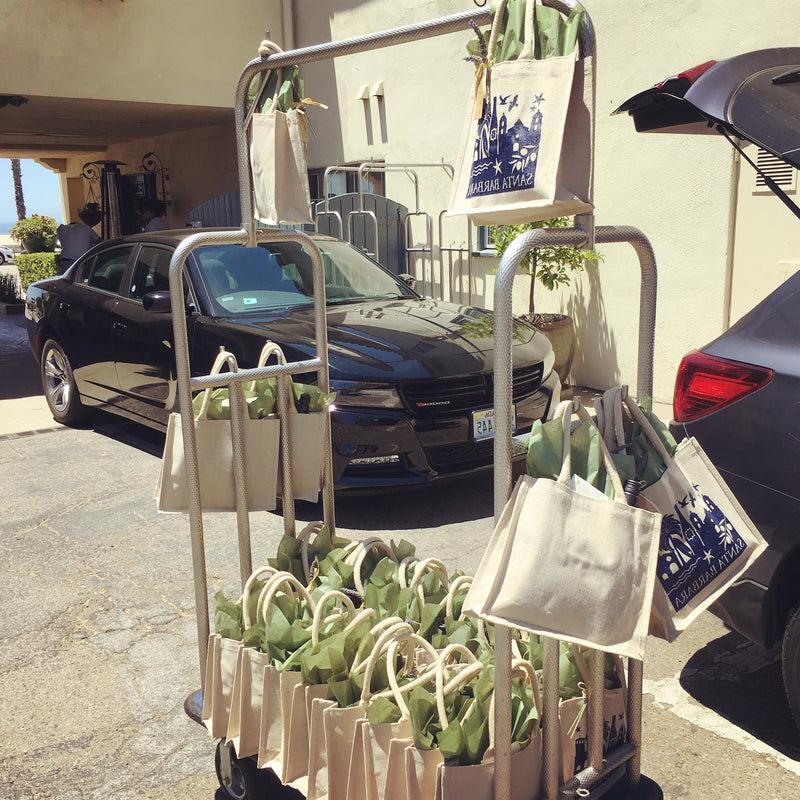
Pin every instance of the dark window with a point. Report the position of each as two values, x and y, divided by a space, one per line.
151 273
107 269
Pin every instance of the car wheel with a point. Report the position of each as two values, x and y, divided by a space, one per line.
58 383
2 259
791 663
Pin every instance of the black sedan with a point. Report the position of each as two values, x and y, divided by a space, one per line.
413 376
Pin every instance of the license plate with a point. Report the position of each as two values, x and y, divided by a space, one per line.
483 423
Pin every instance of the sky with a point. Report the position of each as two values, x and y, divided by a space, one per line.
41 189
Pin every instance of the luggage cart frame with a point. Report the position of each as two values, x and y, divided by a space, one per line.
603 772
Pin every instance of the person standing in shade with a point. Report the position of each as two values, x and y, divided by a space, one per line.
152 213
75 238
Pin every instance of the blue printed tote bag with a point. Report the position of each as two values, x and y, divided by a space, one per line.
707 540
526 148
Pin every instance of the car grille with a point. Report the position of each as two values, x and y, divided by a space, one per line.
443 396
468 455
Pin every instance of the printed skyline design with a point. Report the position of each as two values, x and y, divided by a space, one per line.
698 543
506 153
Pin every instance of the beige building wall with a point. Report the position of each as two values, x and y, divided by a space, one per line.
766 242
186 52
677 189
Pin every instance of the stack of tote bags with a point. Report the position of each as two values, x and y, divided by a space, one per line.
380 694
571 559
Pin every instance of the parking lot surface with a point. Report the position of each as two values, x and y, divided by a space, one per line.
98 649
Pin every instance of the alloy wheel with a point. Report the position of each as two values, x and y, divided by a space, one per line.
57 382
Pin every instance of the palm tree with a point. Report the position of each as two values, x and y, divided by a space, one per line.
16 171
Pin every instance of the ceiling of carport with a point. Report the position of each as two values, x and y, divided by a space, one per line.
59 126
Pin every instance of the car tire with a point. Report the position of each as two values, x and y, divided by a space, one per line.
790 657
59 387
2 259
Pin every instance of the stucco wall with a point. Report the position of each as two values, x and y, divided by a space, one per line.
173 51
675 188
201 164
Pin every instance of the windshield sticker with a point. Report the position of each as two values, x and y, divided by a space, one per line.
226 299
249 301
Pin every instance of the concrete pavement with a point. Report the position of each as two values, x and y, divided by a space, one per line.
97 634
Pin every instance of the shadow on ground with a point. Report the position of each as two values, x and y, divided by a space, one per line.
467 499
742 682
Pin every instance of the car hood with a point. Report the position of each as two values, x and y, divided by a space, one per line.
395 340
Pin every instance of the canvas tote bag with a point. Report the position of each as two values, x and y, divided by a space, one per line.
278 686
564 564
215 459
248 680
526 149
221 659
278 159
573 720
306 437
319 763
476 781
707 540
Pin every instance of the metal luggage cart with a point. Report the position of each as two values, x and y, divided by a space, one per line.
240 777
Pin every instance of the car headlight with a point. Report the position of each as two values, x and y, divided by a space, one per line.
363 394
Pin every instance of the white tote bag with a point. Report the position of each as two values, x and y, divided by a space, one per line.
574 726
248 680
221 659
526 151
707 540
280 688
306 437
215 459
278 164
564 564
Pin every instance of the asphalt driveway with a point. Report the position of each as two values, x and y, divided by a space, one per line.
97 634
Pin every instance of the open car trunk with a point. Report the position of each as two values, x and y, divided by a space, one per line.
754 96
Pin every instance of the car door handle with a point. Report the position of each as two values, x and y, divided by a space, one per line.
120 327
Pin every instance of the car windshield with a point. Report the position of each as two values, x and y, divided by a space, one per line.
279 275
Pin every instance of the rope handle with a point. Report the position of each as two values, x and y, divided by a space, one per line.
248 589
277 581
360 663
358 557
223 357
312 529
327 599
564 412
404 640
428 565
402 571
384 640
441 663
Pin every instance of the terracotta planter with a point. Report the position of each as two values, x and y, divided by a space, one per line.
560 330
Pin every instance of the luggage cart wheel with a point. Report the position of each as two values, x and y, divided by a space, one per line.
238 777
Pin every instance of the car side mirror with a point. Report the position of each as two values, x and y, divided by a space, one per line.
158 302
408 280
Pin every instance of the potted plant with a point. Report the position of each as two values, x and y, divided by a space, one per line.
36 234
552 267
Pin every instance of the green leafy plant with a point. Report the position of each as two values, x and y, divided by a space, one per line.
9 292
35 266
36 233
551 266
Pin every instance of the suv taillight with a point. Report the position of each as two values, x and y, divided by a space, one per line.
706 384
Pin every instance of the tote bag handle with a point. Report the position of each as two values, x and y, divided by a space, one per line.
223 357
267 571
529 42
565 410
266 48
